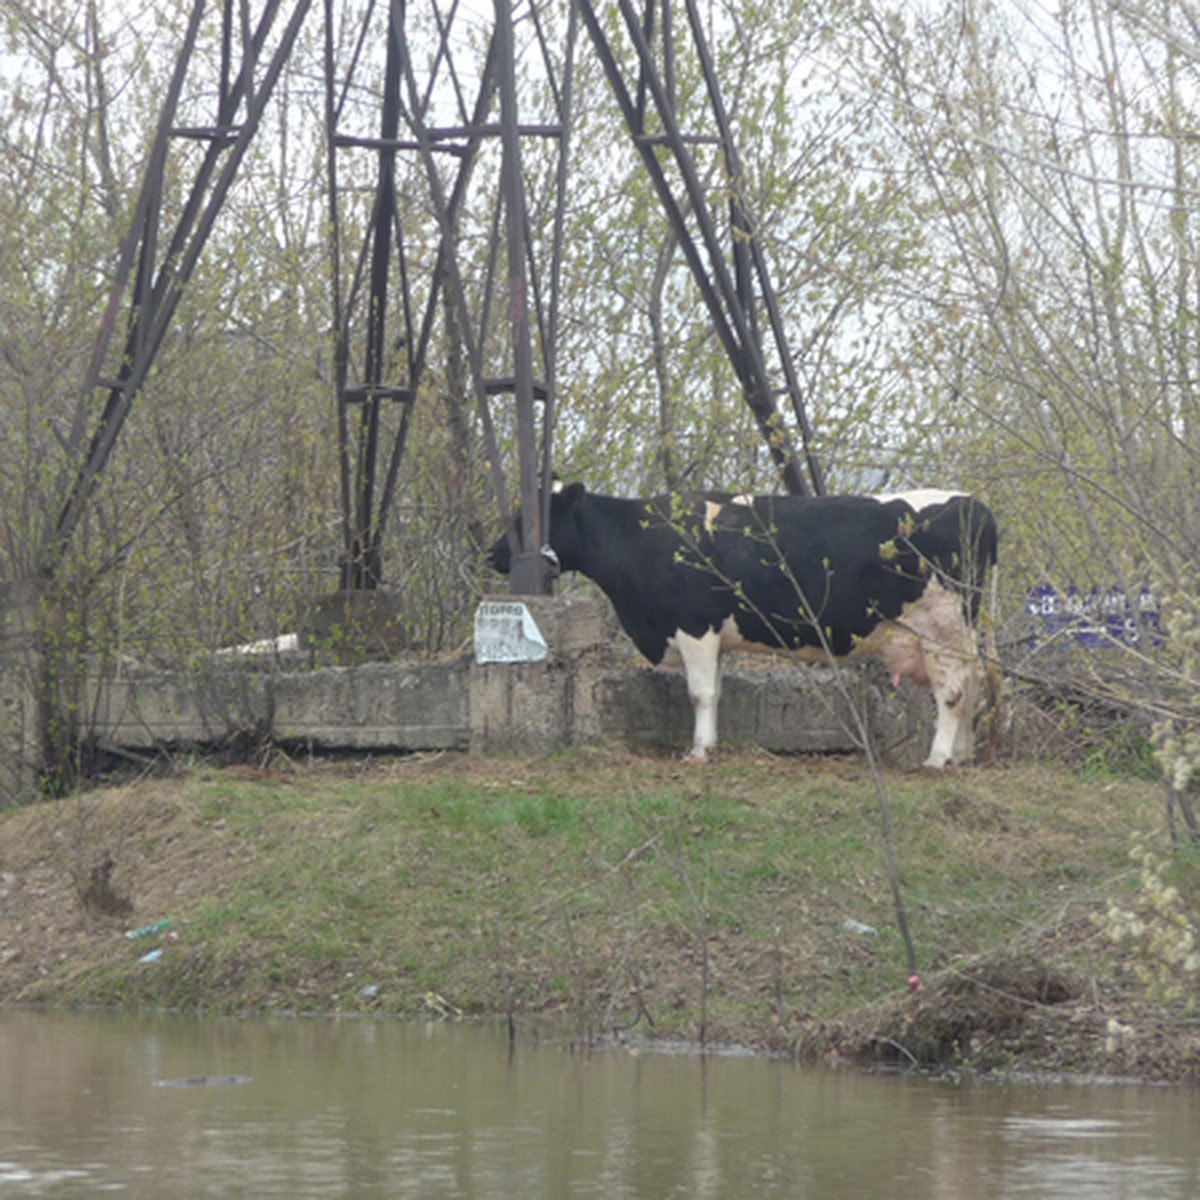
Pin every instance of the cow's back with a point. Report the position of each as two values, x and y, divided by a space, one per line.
792 571
823 571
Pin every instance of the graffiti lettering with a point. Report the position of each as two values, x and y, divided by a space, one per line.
1093 619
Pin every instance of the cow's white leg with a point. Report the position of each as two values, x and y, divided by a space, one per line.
702 665
933 643
956 678
948 733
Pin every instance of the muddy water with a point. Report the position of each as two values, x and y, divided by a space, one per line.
174 1107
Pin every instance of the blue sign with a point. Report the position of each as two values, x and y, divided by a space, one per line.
1092 619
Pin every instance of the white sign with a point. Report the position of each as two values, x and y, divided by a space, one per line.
505 632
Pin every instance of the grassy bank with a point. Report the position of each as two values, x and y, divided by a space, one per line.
616 892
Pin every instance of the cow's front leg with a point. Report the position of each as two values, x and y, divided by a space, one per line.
702 665
957 685
947 737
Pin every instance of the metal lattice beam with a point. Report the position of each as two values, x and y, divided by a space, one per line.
154 277
523 294
725 255
731 282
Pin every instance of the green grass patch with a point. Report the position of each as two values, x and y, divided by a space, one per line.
617 890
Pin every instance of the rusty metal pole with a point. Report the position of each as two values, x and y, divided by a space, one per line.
530 575
362 567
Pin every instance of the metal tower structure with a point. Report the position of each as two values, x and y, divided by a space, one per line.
442 79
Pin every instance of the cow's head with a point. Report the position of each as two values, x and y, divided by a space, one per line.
563 500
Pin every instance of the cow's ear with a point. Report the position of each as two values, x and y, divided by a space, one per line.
572 494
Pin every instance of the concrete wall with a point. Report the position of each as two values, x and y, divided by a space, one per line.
589 686
373 706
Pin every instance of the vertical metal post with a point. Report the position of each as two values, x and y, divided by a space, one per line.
362 567
530 573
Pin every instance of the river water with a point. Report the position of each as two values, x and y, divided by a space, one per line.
178 1107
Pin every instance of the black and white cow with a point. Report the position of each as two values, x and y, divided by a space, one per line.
898 576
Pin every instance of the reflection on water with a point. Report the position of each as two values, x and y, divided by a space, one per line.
315 1108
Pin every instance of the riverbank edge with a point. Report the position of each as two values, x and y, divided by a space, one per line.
1031 1008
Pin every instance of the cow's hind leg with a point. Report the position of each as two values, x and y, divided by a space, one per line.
702 665
950 662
